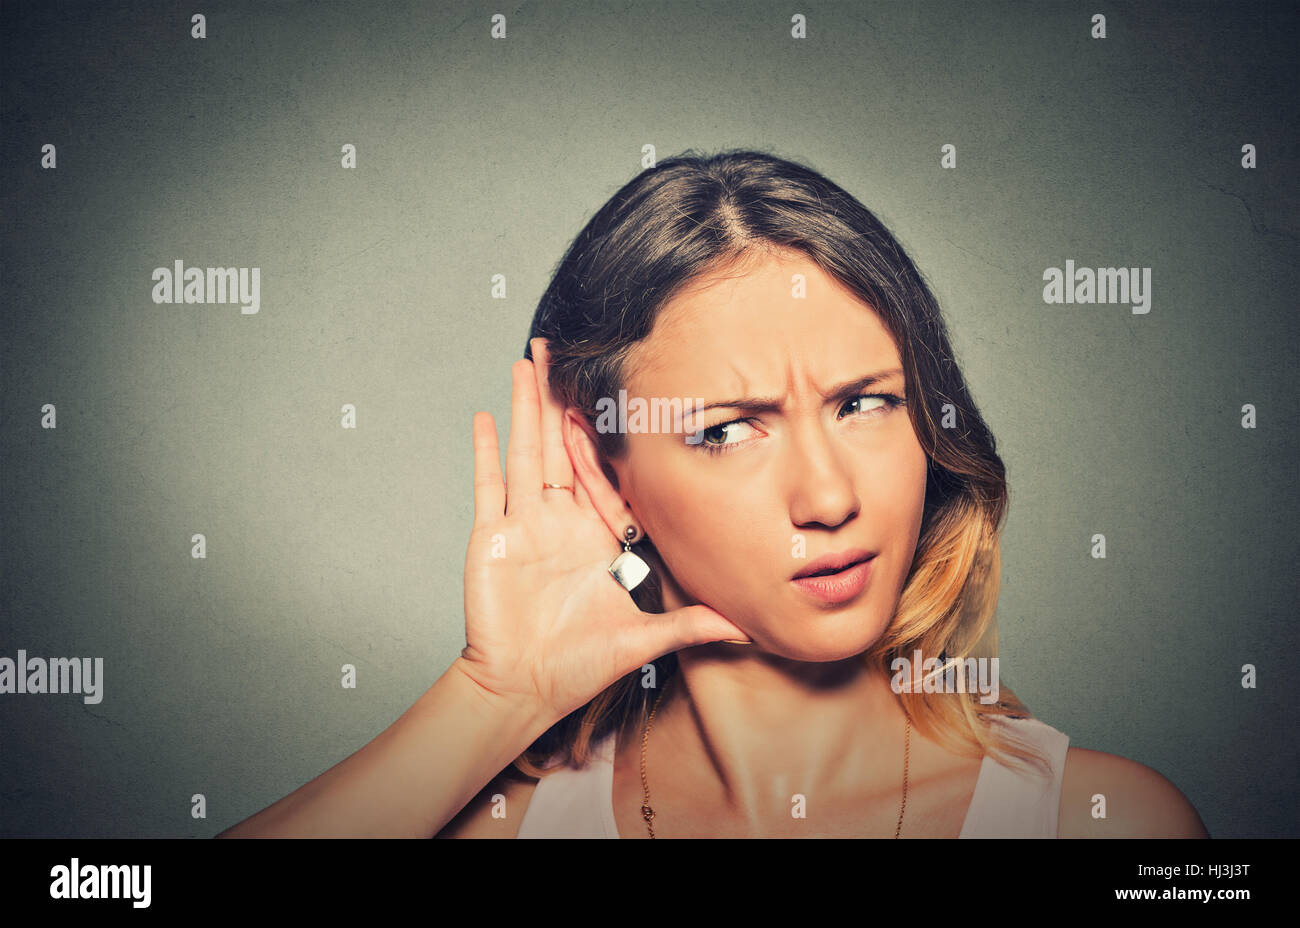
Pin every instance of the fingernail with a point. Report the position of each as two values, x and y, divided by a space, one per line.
737 641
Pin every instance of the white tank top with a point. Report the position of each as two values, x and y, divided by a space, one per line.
1008 803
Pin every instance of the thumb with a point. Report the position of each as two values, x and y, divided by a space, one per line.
687 627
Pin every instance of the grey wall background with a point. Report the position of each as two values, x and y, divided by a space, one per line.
479 156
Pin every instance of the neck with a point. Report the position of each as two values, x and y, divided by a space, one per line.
766 728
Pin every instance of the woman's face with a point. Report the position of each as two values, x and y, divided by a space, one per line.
755 495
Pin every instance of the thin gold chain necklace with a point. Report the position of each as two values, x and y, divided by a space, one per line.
648 813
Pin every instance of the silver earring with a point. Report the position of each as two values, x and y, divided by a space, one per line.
628 568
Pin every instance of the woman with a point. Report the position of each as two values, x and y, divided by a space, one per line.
827 505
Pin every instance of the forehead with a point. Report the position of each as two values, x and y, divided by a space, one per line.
774 316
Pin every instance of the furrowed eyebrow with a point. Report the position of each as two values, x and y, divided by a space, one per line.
848 390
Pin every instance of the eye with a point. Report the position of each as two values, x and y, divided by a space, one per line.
877 404
721 437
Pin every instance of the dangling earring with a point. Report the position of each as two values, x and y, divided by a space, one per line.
628 568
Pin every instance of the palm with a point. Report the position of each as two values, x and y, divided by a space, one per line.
545 622
540 617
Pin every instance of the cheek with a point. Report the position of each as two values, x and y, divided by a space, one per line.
897 504
710 535
695 528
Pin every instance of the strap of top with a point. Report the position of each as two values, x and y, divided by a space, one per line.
575 803
1015 803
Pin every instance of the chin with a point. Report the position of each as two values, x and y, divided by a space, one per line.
818 656
831 645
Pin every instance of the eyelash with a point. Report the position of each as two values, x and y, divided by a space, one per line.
891 402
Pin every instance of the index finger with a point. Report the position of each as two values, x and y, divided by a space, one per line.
555 460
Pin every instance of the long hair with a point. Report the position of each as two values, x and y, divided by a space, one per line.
691 215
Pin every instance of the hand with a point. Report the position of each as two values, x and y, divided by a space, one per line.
547 625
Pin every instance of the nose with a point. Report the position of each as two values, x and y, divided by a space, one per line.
820 479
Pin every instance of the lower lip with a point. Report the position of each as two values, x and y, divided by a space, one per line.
840 587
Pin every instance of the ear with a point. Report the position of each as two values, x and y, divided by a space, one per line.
584 453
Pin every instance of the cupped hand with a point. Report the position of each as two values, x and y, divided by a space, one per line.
546 624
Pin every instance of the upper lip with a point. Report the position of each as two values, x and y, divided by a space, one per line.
835 561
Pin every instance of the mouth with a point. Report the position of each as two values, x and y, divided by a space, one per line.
836 578
832 564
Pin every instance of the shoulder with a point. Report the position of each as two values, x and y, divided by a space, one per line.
496 811
1137 801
